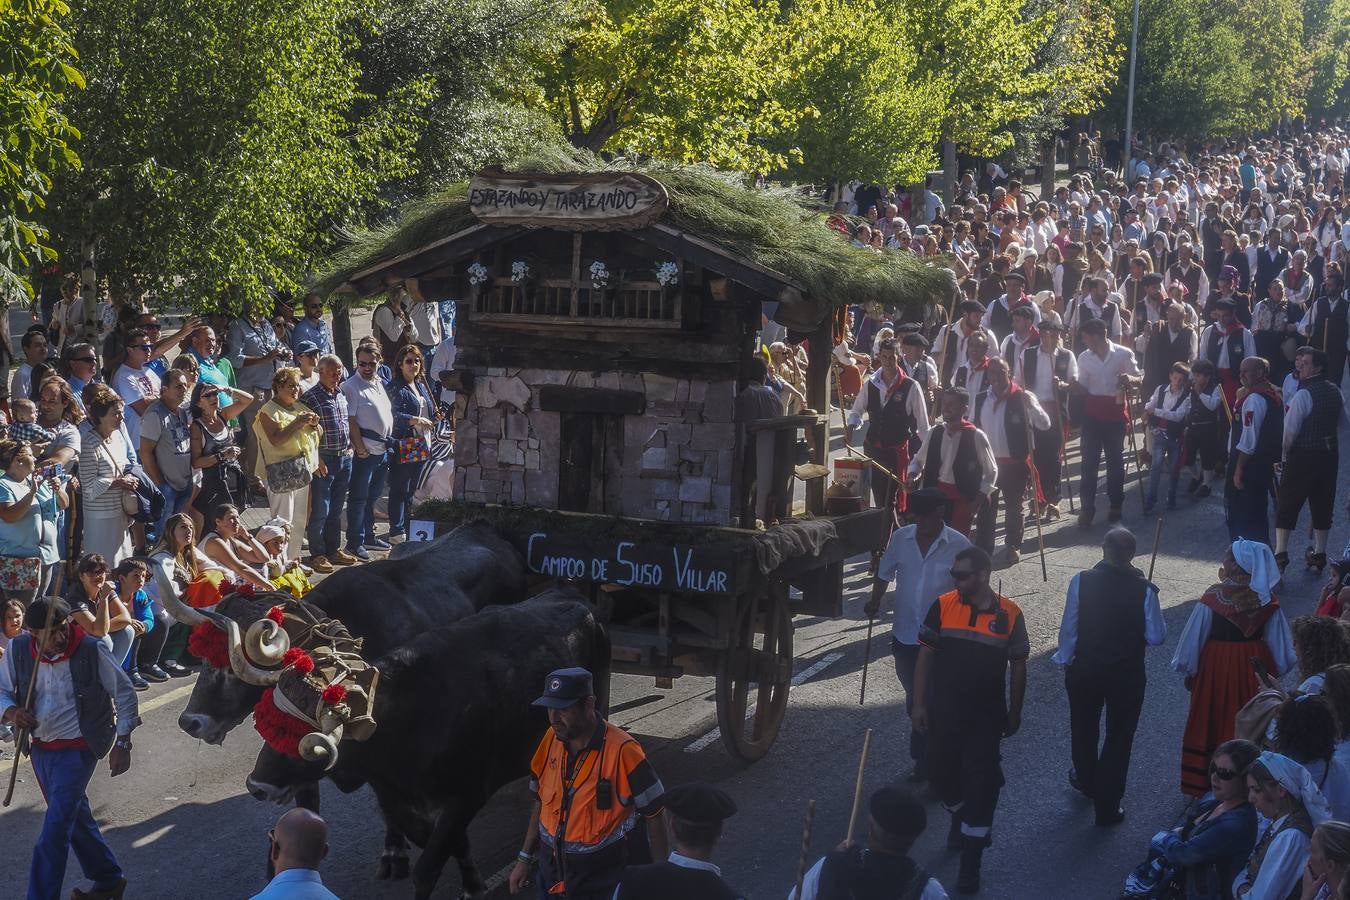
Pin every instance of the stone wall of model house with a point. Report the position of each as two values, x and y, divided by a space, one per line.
677 456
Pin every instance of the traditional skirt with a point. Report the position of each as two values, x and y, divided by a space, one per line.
1223 684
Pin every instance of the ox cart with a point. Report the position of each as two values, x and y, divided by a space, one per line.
606 323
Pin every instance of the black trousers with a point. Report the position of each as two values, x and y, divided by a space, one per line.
1010 488
965 766
1100 763
906 656
1309 477
1102 438
1045 454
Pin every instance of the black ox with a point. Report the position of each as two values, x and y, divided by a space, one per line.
386 602
454 724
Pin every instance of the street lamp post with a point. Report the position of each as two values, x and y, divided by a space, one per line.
1129 94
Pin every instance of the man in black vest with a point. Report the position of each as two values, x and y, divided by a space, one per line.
973 372
998 317
1170 341
1270 261
1254 449
1111 614
1189 272
68 740
897 414
883 869
1047 370
1226 289
955 458
1327 325
1311 457
952 339
1226 344
696 813
1007 415
1203 447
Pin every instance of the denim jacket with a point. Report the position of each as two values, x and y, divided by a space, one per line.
1213 853
403 397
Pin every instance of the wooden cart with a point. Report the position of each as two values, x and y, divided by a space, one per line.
600 353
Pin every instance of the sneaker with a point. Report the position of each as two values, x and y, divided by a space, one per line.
360 553
342 558
320 564
138 682
398 537
1051 512
176 669
378 544
154 674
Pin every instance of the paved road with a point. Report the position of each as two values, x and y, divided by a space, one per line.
181 816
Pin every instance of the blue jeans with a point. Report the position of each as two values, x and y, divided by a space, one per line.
1166 460
119 642
69 825
327 495
366 484
403 479
175 501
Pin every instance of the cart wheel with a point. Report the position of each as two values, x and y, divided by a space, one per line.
762 655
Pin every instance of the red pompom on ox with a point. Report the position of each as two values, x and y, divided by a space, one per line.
334 694
277 614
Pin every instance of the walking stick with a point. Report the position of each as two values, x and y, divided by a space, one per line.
1157 537
1035 503
867 659
858 786
28 695
1134 447
1063 426
806 847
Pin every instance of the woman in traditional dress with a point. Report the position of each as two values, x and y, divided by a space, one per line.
1284 794
1236 619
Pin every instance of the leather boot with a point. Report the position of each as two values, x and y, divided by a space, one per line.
113 893
968 880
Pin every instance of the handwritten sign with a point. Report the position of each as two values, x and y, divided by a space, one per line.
571 202
665 566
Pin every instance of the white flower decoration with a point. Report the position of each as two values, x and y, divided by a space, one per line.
520 271
599 274
478 273
668 274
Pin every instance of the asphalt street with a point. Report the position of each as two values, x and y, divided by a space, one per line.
183 825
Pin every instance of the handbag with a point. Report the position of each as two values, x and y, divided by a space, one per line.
288 475
413 449
20 573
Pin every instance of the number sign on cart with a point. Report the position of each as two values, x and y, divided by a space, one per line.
671 567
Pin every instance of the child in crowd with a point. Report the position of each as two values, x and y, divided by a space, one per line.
24 427
11 623
131 576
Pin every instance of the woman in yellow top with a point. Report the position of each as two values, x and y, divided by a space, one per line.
287 433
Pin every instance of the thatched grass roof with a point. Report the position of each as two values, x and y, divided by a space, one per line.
769 227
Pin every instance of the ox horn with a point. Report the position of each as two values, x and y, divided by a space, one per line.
240 664
320 747
267 642
181 612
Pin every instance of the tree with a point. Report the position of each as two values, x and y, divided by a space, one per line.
221 145
36 73
683 80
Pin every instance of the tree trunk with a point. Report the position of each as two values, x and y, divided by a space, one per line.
342 334
1048 167
949 172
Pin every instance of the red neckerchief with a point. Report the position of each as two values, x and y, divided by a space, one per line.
1033 336
75 634
1234 328
1022 300
963 425
1250 623
900 378
980 368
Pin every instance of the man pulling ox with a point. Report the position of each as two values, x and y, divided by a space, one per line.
1311 457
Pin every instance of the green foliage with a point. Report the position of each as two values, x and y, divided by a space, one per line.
766 227
37 71
683 80
1326 35
221 143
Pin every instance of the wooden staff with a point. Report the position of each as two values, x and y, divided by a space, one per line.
1157 538
858 787
1063 444
867 659
28 698
1035 504
1134 446
806 846
876 465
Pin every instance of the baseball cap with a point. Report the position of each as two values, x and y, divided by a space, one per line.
306 347
565 687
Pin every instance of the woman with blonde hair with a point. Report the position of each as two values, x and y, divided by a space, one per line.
287 433
1328 861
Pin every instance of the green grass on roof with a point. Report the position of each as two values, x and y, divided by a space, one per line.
770 227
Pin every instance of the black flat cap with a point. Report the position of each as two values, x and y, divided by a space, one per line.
700 803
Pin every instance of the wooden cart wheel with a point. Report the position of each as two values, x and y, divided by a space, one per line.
760 656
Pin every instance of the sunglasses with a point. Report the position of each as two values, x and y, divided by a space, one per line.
365 363
960 574
84 359
146 347
1223 774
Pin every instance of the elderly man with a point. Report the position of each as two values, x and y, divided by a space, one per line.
1111 615
1008 415
1047 370
296 847
329 484
1311 457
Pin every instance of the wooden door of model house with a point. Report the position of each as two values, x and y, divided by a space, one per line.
590 463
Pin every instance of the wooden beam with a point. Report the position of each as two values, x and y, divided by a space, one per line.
603 401
445 251
819 355
765 282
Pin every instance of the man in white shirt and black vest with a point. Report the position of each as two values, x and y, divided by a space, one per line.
1311 457
1007 415
955 458
1327 325
1204 439
1111 615
919 365
1226 344
1254 449
68 740
696 813
1170 341
1095 303
952 339
998 317
1047 370
897 414
1106 371
971 375
1024 335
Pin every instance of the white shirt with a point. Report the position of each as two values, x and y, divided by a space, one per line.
1174 405
972 381
1044 388
1308 323
133 385
962 341
950 443
443 360
54 697
1155 626
1101 377
811 886
1253 413
916 406
368 403
992 413
1297 408
1279 640
1282 868
919 579
426 320
1012 349
1075 316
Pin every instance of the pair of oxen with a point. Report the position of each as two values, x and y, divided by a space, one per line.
413 675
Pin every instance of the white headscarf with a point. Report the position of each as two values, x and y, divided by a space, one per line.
1296 780
1256 560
